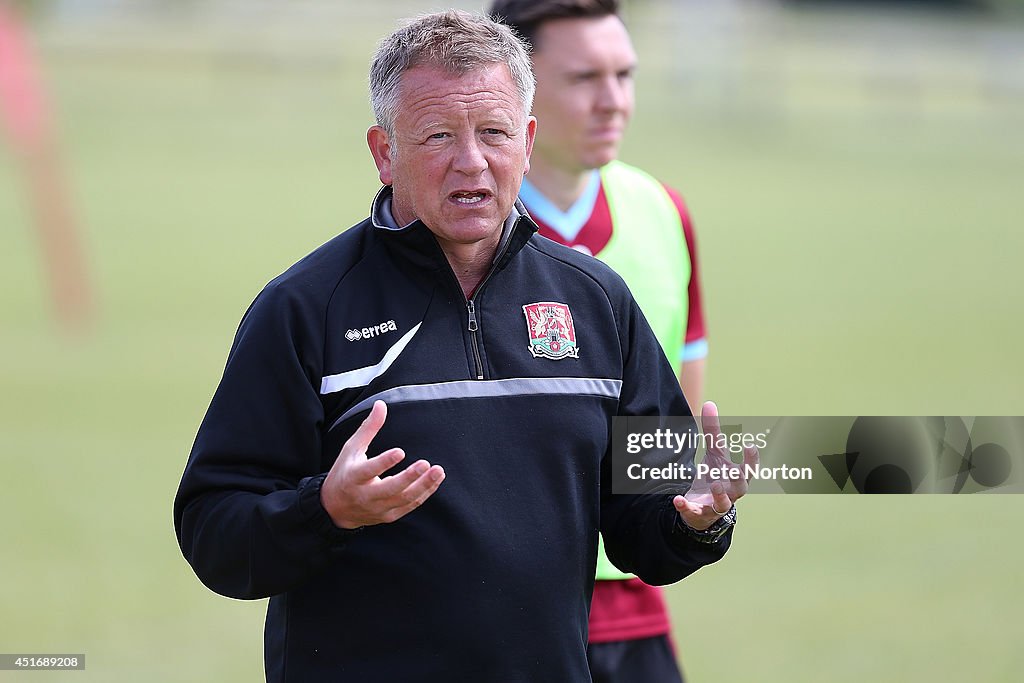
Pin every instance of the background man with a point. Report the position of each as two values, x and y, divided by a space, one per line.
582 197
415 328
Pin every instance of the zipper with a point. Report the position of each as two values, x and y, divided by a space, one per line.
473 327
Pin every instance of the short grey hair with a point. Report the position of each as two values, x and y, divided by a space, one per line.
454 40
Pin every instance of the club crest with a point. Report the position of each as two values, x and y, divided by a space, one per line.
552 334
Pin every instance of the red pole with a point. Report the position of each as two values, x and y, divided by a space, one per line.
25 114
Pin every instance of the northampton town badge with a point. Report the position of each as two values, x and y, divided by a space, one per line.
552 334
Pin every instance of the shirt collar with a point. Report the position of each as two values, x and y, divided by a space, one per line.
569 223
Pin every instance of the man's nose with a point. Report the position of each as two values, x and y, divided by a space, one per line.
612 95
469 157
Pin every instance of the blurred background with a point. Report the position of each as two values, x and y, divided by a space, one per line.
856 172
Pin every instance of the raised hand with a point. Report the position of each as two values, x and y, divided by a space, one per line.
354 493
708 499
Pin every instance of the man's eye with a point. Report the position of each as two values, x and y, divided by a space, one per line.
438 136
493 131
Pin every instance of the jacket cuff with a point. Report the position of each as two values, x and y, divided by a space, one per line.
313 510
713 541
713 533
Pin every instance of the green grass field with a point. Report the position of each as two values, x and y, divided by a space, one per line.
860 255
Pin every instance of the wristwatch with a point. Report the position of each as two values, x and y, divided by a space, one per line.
713 533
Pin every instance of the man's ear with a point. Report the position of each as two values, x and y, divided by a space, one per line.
380 147
531 134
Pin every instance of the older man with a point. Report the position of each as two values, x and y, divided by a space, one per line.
440 325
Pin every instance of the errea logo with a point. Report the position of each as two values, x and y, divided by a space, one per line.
375 331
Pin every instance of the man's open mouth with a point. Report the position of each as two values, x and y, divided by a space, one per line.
468 197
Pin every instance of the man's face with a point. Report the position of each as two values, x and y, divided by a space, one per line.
459 152
584 70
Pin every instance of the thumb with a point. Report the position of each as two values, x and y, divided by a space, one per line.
683 505
365 433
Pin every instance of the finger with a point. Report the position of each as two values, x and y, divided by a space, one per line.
710 424
738 487
360 440
394 485
695 515
418 492
684 505
751 459
422 488
721 501
367 470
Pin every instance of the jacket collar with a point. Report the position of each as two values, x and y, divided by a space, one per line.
416 242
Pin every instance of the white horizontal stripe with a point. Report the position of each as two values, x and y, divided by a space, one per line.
475 388
694 350
360 377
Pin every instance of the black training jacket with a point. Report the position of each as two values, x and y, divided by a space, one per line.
512 392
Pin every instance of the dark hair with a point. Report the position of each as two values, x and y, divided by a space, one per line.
527 16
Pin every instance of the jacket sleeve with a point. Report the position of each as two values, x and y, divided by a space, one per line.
640 531
247 513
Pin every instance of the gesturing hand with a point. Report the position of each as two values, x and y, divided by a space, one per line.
355 495
709 499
